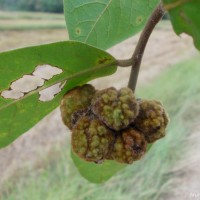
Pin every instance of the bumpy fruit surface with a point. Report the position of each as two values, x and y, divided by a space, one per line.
152 120
117 109
91 139
129 146
75 103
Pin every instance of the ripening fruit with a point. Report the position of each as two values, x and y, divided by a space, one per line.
91 139
152 120
75 103
129 146
117 109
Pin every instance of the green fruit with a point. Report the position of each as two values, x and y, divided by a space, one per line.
91 139
130 146
152 120
75 103
117 109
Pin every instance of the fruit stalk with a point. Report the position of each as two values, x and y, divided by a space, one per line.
135 60
139 51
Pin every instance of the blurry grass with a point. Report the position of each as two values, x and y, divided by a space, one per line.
179 90
30 20
18 26
29 15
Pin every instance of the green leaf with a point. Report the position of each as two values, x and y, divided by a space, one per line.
184 15
104 23
79 64
98 173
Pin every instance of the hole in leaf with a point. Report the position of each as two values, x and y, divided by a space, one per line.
49 93
46 71
29 83
12 94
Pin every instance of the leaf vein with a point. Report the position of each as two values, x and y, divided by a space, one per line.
101 14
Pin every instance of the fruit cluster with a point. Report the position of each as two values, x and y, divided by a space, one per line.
111 124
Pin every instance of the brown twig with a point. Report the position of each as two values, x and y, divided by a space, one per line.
135 60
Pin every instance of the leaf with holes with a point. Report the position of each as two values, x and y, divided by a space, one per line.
27 75
185 17
104 23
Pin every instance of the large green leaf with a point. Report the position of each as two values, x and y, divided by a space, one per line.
79 62
185 17
104 23
98 173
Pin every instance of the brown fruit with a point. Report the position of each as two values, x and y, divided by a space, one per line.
152 120
91 139
129 146
117 109
75 103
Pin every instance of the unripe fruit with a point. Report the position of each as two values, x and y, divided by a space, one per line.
91 139
117 109
129 146
75 103
152 120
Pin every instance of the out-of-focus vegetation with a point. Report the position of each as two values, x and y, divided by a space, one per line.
33 5
178 89
11 20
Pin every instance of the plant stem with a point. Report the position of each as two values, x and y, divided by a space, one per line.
135 60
